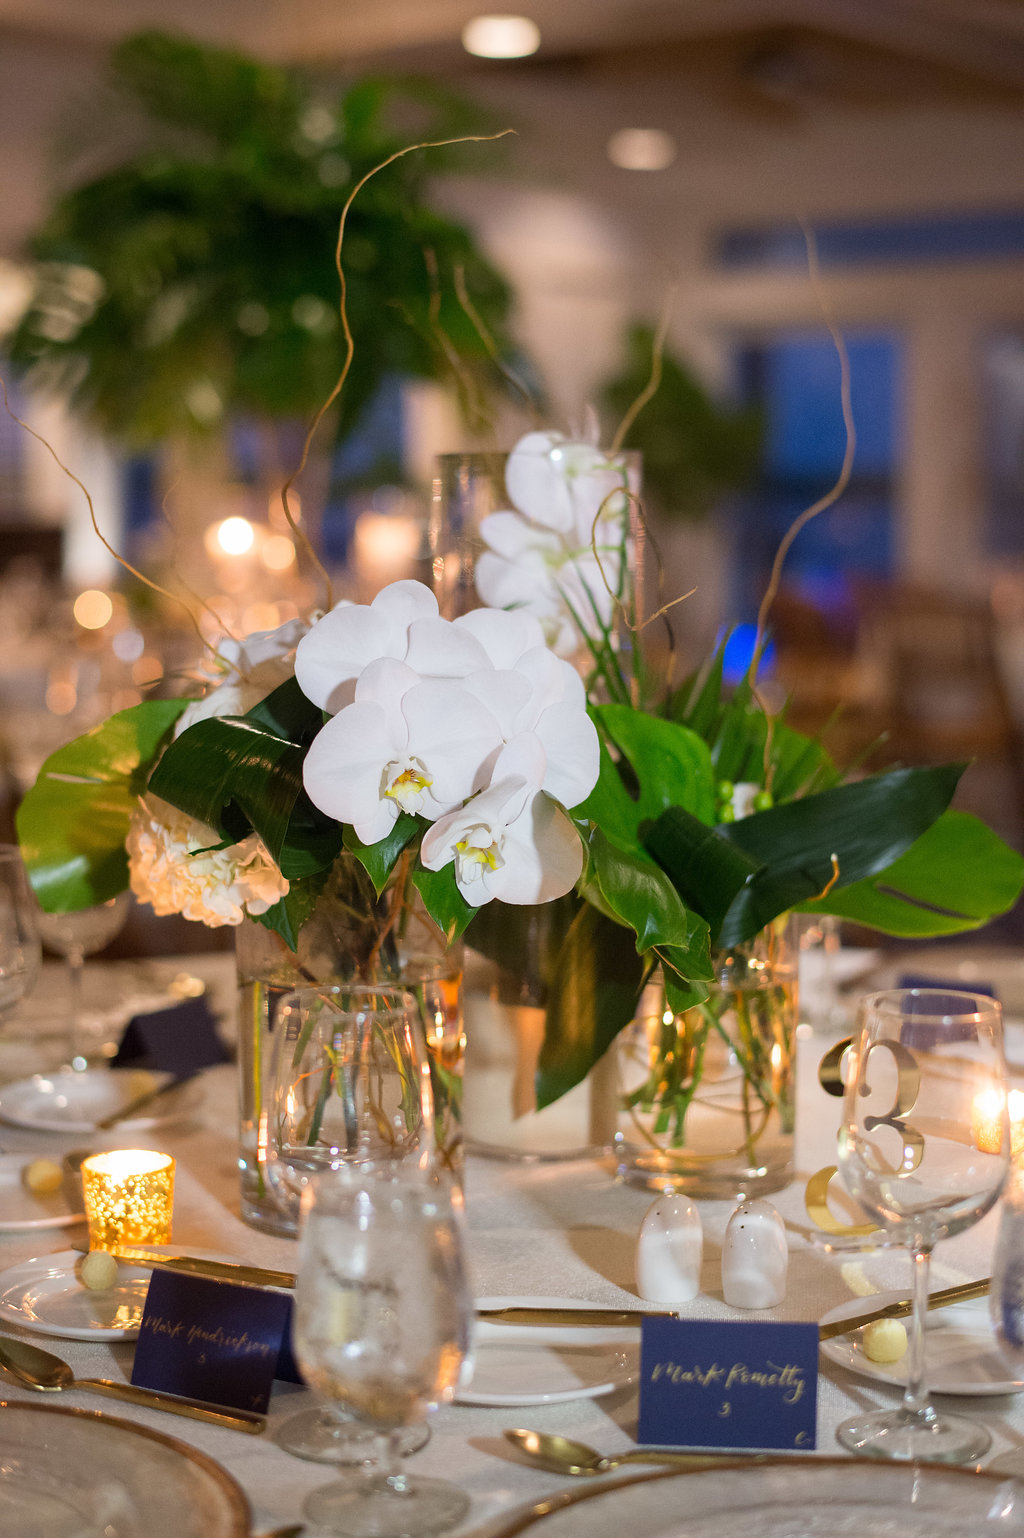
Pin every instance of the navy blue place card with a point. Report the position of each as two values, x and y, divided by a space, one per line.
181 1040
728 1383
213 1340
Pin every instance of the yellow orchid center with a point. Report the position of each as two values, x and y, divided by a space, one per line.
472 854
407 788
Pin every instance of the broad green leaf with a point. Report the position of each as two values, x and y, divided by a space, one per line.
594 996
706 869
287 713
670 766
443 900
956 876
524 940
682 996
288 915
639 894
864 827
378 859
73 823
236 776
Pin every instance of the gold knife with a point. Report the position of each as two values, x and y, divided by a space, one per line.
220 1270
194 1409
140 1102
615 1317
962 1293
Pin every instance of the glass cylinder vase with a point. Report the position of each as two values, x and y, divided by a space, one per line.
351 935
708 1097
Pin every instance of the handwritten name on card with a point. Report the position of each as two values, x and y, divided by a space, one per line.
733 1383
213 1340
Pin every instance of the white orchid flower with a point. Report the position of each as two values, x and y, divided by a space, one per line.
510 843
252 668
402 622
404 744
559 553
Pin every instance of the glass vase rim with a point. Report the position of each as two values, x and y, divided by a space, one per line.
981 1008
325 992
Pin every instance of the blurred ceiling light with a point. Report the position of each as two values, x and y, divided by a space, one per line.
93 609
235 536
642 149
501 37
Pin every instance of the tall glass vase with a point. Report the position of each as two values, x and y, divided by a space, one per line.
509 958
351 936
708 1097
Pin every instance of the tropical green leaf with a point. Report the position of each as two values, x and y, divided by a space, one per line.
956 876
286 712
858 829
594 996
379 859
706 869
73 822
443 900
287 916
237 777
637 893
670 767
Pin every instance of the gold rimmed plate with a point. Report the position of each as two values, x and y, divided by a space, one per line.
787 1497
85 1472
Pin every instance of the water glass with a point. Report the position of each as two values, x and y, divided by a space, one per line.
19 935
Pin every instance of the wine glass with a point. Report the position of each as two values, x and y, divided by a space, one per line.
925 1148
19 936
382 1327
350 1085
75 935
1006 1293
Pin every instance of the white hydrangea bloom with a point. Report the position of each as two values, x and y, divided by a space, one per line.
173 867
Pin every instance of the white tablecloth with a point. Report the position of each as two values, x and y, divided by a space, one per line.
552 1229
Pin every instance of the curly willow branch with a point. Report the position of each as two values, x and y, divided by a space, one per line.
462 293
651 387
104 541
469 393
350 346
830 497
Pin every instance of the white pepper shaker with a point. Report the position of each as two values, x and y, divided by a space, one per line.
755 1257
669 1251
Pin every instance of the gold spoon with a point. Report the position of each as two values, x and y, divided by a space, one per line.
562 1455
34 1368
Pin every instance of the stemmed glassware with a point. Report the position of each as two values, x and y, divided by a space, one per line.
19 935
74 936
382 1328
925 1148
350 1088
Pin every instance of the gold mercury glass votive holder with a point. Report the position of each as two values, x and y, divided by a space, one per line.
129 1198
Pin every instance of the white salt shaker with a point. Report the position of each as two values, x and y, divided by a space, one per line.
669 1251
755 1257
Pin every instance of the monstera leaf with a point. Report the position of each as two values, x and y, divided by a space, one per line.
73 823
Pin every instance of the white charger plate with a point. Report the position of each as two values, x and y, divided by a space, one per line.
519 1364
20 1209
960 1352
67 1101
77 1471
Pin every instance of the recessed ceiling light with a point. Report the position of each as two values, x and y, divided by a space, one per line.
501 37
642 149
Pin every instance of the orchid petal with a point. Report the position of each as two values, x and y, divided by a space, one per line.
402 603
343 766
513 536
330 658
505 694
455 737
438 649
504 637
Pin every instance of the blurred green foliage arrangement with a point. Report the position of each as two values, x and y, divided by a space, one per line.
694 449
193 276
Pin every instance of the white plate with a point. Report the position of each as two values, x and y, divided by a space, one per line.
69 1471
20 1209
785 1498
960 1353
518 1364
44 1294
67 1101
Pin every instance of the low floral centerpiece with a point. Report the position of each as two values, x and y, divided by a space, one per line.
465 766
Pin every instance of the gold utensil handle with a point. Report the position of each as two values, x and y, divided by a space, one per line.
141 1102
963 1292
234 1420
221 1270
582 1316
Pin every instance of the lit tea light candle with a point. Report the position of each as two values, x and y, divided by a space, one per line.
987 1120
129 1198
